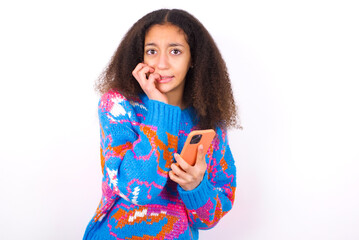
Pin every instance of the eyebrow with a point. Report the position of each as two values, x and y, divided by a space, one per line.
171 44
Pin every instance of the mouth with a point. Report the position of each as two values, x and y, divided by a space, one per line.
165 79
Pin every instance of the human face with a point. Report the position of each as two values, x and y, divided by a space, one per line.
168 53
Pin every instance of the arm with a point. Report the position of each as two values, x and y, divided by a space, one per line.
136 157
214 196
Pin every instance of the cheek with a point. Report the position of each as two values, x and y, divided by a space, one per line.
183 67
149 61
146 60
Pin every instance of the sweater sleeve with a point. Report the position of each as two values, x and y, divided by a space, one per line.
136 156
214 197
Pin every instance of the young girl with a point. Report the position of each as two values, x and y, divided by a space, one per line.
166 79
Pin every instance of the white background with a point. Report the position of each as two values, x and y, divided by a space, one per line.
294 67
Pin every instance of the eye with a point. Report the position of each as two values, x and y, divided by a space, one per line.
176 51
150 52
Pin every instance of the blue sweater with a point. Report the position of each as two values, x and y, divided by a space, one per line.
139 201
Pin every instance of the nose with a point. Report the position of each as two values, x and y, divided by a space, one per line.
162 61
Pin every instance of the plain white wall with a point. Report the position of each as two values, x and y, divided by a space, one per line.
294 67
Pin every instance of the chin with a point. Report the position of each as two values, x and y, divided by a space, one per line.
164 89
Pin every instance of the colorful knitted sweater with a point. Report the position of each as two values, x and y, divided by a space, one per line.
139 201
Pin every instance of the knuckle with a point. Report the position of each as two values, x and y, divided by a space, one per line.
192 178
186 168
198 174
176 171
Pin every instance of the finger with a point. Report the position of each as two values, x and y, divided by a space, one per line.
182 163
201 160
152 77
146 69
144 72
178 171
141 71
137 68
175 178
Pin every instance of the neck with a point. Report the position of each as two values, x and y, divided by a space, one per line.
175 100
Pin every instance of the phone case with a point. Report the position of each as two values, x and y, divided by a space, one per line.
189 151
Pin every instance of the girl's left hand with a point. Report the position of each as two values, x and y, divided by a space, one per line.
187 176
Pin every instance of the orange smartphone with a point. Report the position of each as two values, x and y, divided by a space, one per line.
194 139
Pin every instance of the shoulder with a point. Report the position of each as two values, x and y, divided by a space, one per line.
110 98
117 104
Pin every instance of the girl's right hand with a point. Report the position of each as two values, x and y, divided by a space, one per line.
144 75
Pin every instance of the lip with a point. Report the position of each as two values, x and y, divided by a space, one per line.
165 79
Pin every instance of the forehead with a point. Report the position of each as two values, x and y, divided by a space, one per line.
166 32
